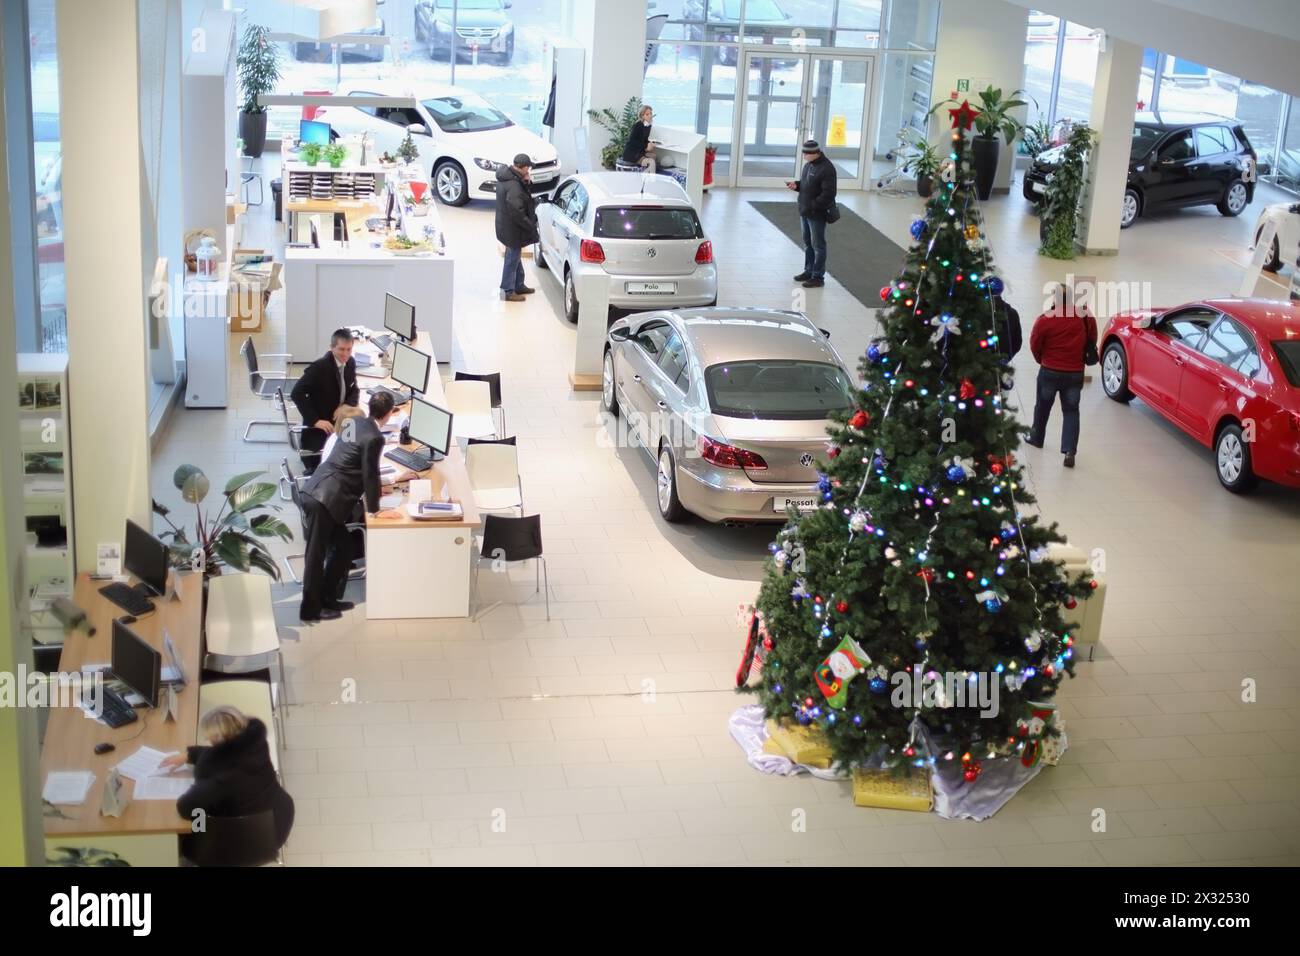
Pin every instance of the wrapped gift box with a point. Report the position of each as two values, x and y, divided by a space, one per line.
803 745
1085 617
892 791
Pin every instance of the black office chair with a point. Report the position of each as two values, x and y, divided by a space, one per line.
294 485
513 539
494 386
269 386
233 841
293 434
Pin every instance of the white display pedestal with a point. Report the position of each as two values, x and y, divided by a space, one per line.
593 324
686 148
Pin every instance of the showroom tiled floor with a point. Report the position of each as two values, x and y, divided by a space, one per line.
601 738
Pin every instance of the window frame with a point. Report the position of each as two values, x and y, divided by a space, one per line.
1246 335
685 357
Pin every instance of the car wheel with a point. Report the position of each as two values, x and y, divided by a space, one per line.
1274 260
1114 373
1027 189
570 298
1232 460
1131 208
449 181
608 392
539 259
670 507
510 51
1235 198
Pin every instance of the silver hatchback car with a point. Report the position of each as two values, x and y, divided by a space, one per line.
732 405
638 231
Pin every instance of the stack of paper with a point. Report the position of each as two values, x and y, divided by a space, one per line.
145 762
68 786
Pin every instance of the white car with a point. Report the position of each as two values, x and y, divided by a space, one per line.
462 138
1285 248
637 231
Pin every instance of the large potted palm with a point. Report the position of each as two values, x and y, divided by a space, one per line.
258 65
994 117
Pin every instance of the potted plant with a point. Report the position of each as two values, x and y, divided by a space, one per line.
406 150
994 117
619 126
334 154
1060 219
310 153
258 65
923 165
1035 138
230 537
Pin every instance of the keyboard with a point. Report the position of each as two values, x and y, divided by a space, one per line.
116 711
127 598
409 459
399 398
382 342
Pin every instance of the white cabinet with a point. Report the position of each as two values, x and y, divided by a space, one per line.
414 572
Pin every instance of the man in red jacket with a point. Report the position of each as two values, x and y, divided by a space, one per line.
1058 342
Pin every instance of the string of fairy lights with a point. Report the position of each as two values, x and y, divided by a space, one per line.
966 396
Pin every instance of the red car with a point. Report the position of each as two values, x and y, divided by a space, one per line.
1226 371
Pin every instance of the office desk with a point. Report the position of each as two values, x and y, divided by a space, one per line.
146 832
421 569
686 147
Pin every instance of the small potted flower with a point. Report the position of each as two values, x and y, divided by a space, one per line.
334 154
309 153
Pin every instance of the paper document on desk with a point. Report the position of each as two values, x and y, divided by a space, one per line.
145 762
169 787
434 510
67 787
390 501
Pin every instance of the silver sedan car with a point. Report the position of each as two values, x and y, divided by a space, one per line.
638 232
732 405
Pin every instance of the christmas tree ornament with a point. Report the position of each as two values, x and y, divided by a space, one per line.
972 231
995 285
859 420
945 325
884 293
844 663
841 607
967 389
1033 642
917 228
858 522
1031 730
832 451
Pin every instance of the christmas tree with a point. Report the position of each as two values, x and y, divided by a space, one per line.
925 560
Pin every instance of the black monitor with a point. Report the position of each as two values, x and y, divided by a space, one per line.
411 367
136 664
315 235
399 317
430 425
146 558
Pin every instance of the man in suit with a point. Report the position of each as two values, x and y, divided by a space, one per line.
328 382
329 496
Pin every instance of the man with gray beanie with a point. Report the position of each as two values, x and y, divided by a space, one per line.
816 187
516 225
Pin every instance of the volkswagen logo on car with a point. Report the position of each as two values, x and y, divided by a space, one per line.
651 252
806 459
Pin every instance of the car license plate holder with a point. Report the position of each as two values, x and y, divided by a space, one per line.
651 288
1038 187
801 503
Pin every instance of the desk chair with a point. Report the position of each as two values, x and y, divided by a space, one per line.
493 468
511 540
253 698
494 384
240 631
293 435
268 386
625 167
234 841
246 179
470 404
294 484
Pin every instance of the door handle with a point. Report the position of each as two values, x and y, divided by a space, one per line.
662 403
636 378
1223 387
1180 362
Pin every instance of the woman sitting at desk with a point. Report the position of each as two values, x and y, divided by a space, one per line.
639 151
233 775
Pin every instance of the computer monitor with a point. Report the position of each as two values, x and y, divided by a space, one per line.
411 367
145 557
315 235
430 425
311 131
399 317
136 664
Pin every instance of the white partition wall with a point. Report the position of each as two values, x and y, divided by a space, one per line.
207 123
1113 96
613 31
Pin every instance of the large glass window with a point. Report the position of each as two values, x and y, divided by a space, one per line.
1286 172
1040 64
49 179
1078 72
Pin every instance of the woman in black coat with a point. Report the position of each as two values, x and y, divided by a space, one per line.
638 150
234 777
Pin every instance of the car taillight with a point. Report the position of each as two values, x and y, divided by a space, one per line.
1295 422
704 254
590 251
729 456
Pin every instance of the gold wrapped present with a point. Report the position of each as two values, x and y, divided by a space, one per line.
805 745
884 788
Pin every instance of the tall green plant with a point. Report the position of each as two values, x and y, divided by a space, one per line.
258 65
1060 217
926 162
995 114
230 537
619 126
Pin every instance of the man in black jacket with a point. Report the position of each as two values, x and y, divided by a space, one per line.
816 188
328 498
328 382
516 225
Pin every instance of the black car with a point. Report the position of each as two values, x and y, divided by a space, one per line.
1176 159
481 26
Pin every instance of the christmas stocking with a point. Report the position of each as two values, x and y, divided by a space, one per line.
846 662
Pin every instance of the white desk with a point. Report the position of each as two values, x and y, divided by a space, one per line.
686 148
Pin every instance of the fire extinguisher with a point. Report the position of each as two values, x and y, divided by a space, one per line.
710 153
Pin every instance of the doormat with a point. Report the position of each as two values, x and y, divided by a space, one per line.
859 256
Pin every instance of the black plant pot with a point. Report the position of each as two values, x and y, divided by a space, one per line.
924 186
985 153
252 130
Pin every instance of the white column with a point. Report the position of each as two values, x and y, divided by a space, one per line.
1114 98
208 111
982 41
613 31
103 232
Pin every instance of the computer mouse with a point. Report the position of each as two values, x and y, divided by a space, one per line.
104 748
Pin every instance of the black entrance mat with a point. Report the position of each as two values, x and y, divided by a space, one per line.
859 256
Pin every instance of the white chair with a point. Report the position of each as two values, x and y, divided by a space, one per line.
494 476
470 404
240 631
250 696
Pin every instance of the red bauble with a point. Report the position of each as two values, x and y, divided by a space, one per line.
859 419
967 390
833 451
996 468
842 606
1071 603
1093 584
884 293
971 775
767 643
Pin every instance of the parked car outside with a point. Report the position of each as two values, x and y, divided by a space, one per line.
473 27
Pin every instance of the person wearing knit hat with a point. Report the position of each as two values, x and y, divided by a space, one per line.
816 187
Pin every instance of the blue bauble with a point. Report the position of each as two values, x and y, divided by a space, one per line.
918 228
995 286
956 473
878 685
873 353
804 718
993 605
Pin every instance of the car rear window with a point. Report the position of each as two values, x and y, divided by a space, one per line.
1288 355
777 388
647 222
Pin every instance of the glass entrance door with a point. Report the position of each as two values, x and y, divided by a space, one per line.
790 97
